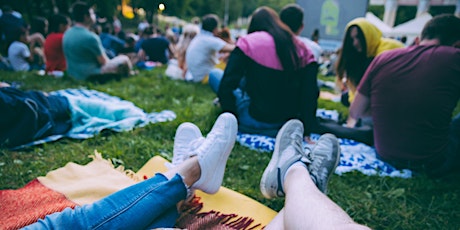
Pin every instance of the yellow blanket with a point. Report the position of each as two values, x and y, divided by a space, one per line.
76 184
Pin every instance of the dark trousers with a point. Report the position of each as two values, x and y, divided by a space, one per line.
439 165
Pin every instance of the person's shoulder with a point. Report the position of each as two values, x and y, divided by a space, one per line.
18 45
447 49
260 38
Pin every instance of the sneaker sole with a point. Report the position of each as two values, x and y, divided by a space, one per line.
268 172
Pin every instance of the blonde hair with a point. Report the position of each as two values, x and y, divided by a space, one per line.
188 33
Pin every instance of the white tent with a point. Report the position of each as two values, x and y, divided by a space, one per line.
411 29
386 29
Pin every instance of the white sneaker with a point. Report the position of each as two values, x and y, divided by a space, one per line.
288 150
214 152
187 139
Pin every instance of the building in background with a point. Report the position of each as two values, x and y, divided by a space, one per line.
423 6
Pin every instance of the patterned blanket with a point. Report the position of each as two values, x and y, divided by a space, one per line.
354 155
75 185
93 111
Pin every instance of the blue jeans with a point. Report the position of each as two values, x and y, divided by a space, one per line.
145 205
215 76
246 123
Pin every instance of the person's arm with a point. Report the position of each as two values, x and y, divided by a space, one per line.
359 108
171 51
309 99
102 59
227 48
141 55
234 72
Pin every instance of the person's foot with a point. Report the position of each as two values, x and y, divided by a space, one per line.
214 151
325 156
288 150
187 139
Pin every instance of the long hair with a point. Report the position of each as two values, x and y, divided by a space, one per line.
350 62
189 32
266 19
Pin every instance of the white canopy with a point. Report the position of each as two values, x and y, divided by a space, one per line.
386 29
412 28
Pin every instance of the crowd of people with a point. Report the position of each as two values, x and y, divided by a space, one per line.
401 100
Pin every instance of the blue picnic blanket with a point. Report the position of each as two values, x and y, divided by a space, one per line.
93 111
354 156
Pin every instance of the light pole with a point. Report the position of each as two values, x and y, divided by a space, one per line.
226 14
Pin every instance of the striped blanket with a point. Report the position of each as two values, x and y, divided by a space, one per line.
93 111
75 185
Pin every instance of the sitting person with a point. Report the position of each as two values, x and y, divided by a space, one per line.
55 59
201 56
21 56
155 48
202 168
411 94
362 42
279 74
177 68
292 16
111 43
83 49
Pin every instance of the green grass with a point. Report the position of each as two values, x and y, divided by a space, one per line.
379 202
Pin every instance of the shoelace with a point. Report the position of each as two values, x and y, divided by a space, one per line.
295 136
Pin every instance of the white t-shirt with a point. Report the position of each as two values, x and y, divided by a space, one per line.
314 47
201 55
18 52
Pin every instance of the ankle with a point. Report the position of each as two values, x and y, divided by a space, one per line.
190 171
296 170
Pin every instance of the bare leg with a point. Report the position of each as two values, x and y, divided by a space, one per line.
189 170
305 206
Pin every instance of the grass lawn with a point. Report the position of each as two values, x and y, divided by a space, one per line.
380 203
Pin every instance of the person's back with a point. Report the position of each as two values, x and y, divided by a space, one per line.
265 76
156 49
55 59
19 54
110 42
413 94
201 54
292 15
275 88
81 49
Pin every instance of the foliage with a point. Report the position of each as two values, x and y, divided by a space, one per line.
379 202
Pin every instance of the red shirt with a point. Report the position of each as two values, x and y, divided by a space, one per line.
413 92
54 53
